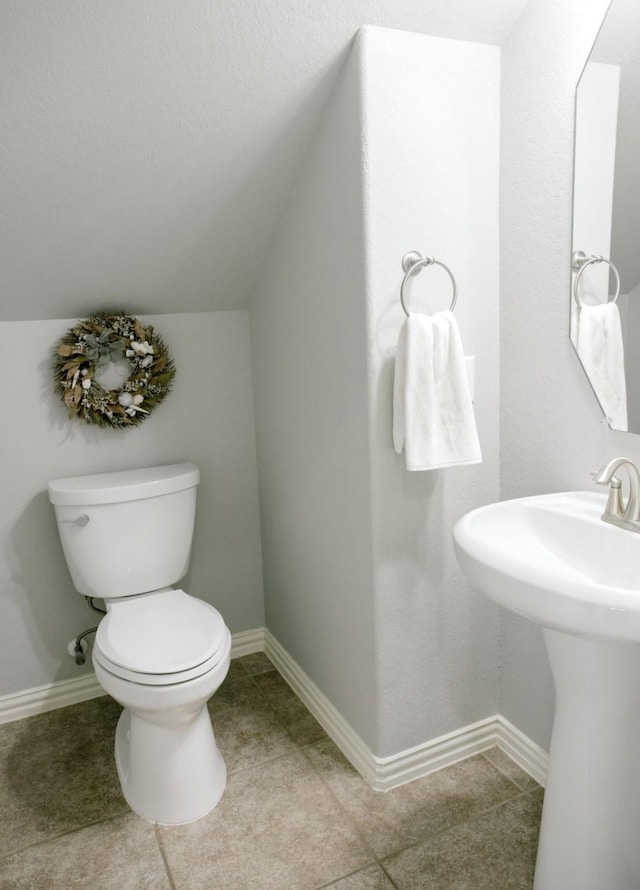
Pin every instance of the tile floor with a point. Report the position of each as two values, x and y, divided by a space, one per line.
295 815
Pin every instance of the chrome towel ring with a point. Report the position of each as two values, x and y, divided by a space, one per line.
580 261
412 262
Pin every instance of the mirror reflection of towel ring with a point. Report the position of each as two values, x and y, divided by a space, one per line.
412 262
580 261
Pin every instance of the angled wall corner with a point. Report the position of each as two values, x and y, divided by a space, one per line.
361 584
310 387
431 136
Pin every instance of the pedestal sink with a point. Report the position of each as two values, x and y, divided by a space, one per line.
551 559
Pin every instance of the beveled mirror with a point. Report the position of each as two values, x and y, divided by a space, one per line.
605 275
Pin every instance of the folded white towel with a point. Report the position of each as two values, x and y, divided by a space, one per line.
599 345
432 410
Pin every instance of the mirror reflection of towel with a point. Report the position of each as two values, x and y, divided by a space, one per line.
433 417
599 345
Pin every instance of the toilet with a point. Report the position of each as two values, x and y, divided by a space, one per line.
158 651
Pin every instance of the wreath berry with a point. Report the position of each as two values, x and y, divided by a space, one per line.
89 348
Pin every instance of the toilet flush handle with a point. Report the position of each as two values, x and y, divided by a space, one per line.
80 520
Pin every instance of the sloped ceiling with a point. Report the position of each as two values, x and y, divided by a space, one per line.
148 147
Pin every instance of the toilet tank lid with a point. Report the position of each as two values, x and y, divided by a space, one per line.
124 485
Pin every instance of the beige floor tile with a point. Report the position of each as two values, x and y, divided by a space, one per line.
495 851
510 769
287 820
55 782
372 878
121 854
276 828
236 671
247 730
256 663
394 819
95 715
532 803
303 728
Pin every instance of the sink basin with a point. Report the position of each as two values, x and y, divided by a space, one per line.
552 559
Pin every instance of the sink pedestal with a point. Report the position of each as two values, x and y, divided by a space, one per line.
590 832
551 559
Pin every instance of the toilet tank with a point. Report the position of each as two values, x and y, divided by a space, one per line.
127 532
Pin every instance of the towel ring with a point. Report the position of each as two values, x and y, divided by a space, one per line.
412 262
580 261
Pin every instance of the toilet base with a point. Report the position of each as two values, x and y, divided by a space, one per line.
169 774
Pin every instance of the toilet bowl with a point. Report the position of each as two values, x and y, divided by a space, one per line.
160 652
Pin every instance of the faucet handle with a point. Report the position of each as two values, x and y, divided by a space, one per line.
613 481
615 505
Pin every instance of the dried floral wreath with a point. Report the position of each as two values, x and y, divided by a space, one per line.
88 349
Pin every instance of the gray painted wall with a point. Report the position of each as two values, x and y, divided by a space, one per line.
360 578
552 431
149 148
207 418
308 329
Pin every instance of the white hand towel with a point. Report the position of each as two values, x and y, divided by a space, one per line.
601 351
432 410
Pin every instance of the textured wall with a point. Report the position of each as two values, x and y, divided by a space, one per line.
207 418
310 384
552 431
361 581
431 130
149 147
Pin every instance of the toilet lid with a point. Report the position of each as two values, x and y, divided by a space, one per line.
165 632
146 679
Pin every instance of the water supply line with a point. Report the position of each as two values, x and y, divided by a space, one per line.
76 647
79 646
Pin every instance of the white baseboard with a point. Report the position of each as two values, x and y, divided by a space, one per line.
247 642
382 773
70 692
48 698
519 747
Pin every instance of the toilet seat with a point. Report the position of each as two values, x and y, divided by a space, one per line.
161 638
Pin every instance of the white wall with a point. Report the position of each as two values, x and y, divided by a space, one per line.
552 430
361 581
207 418
431 132
308 328
149 147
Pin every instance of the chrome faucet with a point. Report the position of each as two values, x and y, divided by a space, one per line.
616 512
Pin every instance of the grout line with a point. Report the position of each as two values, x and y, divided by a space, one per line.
163 855
519 793
56 837
301 748
389 878
451 828
528 778
358 871
356 827
242 769
265 698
